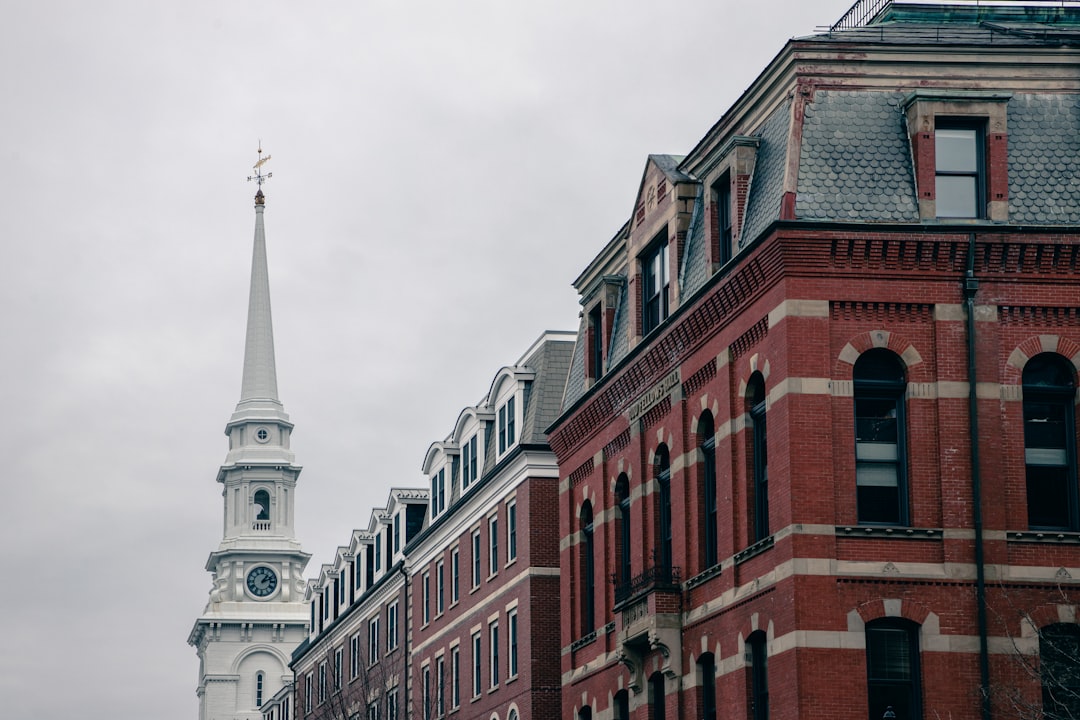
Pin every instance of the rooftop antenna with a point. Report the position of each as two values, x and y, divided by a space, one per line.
258 177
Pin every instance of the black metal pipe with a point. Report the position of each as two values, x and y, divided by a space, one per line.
970 287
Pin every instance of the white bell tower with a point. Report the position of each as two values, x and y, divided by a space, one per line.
256 615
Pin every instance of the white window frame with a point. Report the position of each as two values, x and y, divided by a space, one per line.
373 641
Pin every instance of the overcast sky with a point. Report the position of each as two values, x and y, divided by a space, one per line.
442 172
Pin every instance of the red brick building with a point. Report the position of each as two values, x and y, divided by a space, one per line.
818 449
484 573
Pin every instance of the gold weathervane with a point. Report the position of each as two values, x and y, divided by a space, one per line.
258 177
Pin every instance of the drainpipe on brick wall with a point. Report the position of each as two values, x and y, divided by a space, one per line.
406 627
970 287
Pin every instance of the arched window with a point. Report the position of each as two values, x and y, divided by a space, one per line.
892 668
622 497
759 675
585 713
259 678
880 457
262 505
656 696
1050 443
758 455
588 571
622 705
709 529
662 468
707 678
1059 648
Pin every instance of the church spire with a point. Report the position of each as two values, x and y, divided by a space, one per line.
259 387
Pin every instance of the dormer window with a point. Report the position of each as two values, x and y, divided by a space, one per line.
959 179
397 532
468 462
507 426
656 279
438 493
378 552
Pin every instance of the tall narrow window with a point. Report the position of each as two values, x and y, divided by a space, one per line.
707 671
662 467
507 432
759 459
476 558
354 656
493 649
722 217
622 497
759 676
397 532
440 587
477 664
511 532
493 545
427 693
892 668
588 570
259 678
596 342
880 457
378 551
959 177
1059 648
425 597
338 668
655 282
512 631
455 677
656 697
1050 443
440 686
709 519
373 641
455 576
438 492
468 462
392 626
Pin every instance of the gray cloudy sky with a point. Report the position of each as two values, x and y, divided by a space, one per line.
442 171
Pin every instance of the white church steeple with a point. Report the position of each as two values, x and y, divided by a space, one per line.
256 615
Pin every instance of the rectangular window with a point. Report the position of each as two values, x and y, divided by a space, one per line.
493 546
596 342
338 668
392 705
455 677
427 693
438 492
655 282
373 641
476 558
892 676
440 687
721 197
373 710
512 660
454 576
354 656
959 178
378 551
342 586
477 666
468 462
511 532
322 683
309 691
391 626
397 532
493 645
425 598
440 587
506 426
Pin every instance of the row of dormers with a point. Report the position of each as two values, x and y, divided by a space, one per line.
511 414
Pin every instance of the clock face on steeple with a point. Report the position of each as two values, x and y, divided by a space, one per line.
262 582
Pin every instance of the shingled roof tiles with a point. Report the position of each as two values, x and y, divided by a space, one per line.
695 265
575 378
767 184
855 162
1044 139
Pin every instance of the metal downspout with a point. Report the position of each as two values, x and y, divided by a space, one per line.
970 287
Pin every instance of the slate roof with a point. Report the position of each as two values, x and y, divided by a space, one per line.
551 361
767 183
695 270
1044 142
855 162
620 331
669 165
575 378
